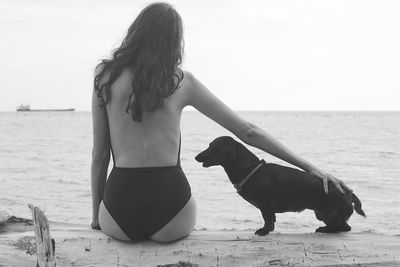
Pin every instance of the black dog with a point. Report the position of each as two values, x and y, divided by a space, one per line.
275 189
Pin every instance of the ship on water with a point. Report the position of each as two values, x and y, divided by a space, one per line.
23 107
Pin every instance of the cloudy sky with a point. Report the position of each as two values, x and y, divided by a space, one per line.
254 55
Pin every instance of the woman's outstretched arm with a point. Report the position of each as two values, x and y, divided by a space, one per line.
198 96
100 155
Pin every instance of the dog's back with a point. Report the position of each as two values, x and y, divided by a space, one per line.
289 189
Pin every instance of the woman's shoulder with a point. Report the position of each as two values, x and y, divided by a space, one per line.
189 81
187 76
193 90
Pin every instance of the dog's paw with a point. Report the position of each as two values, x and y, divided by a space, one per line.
321 230
271 227
333 229
261 232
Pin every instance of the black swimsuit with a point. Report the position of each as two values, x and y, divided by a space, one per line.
143 200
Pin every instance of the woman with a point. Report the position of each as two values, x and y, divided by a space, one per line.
138 98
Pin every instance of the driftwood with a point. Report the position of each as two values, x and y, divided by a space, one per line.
45 245
79 245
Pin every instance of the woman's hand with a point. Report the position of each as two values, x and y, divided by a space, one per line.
95 225
326 177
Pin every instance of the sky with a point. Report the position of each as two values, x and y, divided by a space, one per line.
253 55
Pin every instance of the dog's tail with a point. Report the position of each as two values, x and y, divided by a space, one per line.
357 204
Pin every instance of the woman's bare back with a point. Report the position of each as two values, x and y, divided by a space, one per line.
153 142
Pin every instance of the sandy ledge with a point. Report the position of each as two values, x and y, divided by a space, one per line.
78 245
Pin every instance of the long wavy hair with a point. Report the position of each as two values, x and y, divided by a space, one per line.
152 50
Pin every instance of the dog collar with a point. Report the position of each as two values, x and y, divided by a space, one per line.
239 186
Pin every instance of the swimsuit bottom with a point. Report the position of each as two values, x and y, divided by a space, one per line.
144 200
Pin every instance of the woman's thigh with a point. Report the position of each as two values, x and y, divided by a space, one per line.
180 226
109 226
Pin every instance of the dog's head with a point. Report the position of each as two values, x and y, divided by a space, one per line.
220 151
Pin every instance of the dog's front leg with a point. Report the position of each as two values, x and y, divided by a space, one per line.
269 222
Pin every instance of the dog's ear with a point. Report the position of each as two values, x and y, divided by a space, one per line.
229 152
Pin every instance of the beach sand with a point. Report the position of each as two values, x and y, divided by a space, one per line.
78 245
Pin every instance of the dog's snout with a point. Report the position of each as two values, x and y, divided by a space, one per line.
202 155
207 157
198 157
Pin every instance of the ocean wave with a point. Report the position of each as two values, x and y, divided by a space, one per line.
61 181
388 153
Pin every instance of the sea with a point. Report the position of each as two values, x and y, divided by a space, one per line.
45 160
